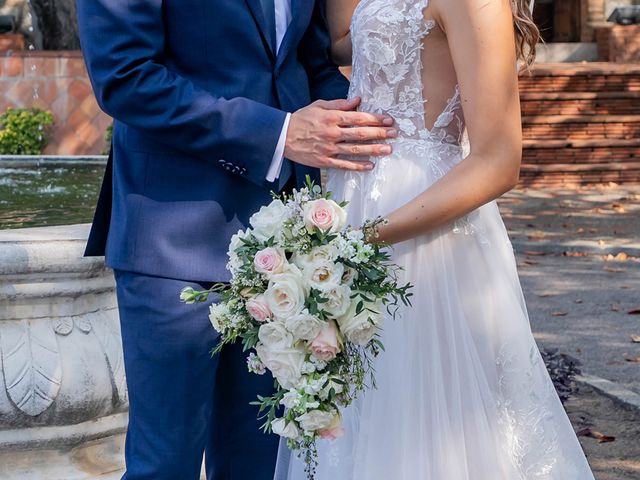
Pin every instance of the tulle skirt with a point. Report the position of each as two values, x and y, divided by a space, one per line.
463 393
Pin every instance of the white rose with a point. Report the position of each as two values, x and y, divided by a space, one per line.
291 399
316 420
275 335
361 328
304 326
286 293
218 316
235 243
349 275
326 253
267 222
324 275
338 301
279 426
325 215
284 363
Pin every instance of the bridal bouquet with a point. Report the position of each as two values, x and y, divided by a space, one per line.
307 298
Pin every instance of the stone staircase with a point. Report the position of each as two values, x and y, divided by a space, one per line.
581 124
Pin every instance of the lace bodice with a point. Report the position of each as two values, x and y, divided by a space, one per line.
388 38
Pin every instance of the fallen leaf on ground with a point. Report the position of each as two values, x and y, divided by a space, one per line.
631 359
635 338
574 254
559 314
534 253
544 295
531 262
536 236
635 311
618 207
615 308
615 362
578 300
614 270
601 437
620 257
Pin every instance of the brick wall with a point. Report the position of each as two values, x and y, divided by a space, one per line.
618 43
581 124
56 81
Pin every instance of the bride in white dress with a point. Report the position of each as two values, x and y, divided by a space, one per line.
463 393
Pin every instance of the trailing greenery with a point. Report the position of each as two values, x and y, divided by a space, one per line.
24 131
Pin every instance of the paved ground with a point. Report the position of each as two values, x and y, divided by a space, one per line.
578 253
615 460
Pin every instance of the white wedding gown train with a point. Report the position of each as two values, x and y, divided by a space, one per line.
463 393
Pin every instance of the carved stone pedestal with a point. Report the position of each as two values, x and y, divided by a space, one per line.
63 398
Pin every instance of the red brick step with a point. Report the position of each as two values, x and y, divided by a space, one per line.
581 124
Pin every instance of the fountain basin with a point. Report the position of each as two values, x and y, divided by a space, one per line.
62 381
48 190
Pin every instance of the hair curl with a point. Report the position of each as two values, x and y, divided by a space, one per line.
527 32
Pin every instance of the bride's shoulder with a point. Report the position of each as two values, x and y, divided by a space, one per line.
443 11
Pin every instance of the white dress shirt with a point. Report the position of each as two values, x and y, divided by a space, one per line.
283 19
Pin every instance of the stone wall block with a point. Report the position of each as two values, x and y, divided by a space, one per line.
60 343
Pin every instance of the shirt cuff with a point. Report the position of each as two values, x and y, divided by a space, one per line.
278 156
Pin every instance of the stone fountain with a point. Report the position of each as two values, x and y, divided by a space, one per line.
63 397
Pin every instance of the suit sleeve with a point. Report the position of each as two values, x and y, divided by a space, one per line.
325 80
123 44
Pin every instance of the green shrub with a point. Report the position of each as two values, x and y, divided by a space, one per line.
24 131
108 136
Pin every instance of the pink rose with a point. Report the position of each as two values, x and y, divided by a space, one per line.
258 309
269 260
326 345
333 431
325 215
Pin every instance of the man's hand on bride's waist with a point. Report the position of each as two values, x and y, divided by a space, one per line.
325 130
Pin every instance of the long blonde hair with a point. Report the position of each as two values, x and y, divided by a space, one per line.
527 32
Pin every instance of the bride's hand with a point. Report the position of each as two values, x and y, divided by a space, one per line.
323 131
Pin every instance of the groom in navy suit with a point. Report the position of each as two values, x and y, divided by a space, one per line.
212 108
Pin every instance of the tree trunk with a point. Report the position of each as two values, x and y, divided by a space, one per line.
57 21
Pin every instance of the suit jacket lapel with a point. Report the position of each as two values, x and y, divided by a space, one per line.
258 16
300 14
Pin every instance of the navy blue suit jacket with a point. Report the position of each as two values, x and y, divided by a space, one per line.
199 100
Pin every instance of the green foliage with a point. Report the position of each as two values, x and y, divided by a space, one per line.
108 136
24 131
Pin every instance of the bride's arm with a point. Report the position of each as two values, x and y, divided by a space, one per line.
481 39
339 13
